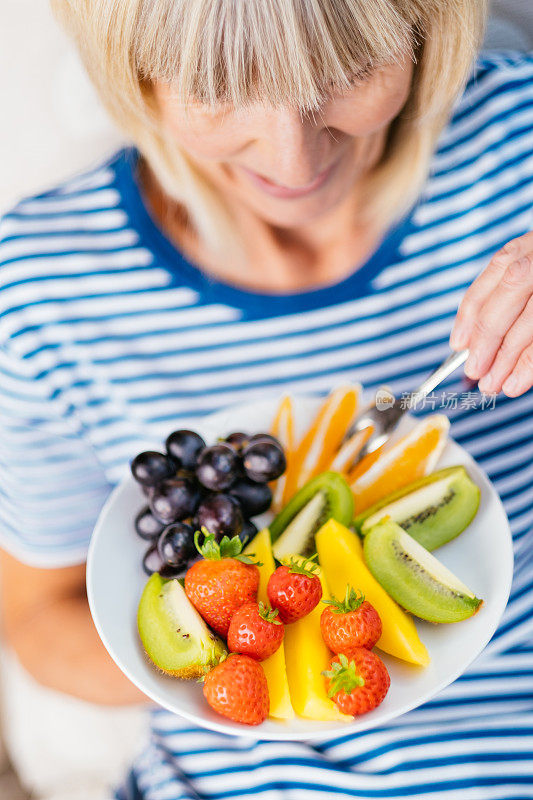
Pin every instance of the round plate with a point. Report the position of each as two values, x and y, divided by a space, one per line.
482 557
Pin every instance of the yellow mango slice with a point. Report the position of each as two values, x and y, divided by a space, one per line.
274 667
306 657
341 555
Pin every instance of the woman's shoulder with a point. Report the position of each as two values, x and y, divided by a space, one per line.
500 86
86 201
491 128
61 244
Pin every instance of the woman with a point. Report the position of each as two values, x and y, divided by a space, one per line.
307 202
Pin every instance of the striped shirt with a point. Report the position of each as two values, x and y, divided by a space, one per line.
109 339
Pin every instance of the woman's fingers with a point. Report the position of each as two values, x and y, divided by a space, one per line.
483 286
497 315
514 347
521 378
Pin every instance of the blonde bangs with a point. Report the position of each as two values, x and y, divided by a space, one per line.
283 52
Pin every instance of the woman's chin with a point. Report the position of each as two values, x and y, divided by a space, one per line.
297 212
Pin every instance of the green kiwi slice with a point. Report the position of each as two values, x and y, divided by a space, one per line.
324 497
173 633
415 578
433 510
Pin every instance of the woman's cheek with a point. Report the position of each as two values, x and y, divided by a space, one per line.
373 105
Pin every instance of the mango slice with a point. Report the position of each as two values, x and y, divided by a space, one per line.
341 555
306 657
274 667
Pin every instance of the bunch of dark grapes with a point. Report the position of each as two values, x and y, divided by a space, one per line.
192 486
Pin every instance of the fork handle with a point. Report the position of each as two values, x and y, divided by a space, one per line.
448 366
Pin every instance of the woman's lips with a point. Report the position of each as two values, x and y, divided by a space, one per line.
286 192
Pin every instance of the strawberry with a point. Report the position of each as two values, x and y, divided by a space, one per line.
294 589
255 631
357 681
237 688
351 622
222 582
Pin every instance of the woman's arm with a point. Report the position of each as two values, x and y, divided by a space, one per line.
46 620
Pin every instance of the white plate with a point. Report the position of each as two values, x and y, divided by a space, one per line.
482 557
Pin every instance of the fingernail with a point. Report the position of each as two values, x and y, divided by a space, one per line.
458 338
511 385
471 366
486 384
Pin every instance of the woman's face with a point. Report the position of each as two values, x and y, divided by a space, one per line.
288 168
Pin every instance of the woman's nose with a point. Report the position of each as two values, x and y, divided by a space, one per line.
294 146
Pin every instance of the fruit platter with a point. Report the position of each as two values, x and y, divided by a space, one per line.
255 577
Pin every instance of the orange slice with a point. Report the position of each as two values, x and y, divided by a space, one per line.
283 430
322 440
365 464
411 457
349 451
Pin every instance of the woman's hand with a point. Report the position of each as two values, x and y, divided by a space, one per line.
495 321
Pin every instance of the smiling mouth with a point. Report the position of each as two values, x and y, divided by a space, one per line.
286 192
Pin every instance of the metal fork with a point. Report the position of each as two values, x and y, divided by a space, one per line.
386 411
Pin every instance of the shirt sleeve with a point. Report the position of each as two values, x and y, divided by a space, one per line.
52 486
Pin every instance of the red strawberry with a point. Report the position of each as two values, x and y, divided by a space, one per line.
222 582
294 589
255 631
237 688
357 682
351 622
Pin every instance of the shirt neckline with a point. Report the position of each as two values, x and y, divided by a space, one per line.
356 284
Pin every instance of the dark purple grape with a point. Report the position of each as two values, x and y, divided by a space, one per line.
237 440
258 437
146 525
221 515
263 461
174 500
147 490
248 532
217 467
150 468
254 498
176 545
185 447
152 562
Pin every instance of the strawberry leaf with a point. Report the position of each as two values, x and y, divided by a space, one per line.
269 614
343 676
306 567
227 548
351 602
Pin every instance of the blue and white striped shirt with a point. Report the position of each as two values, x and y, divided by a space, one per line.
109 339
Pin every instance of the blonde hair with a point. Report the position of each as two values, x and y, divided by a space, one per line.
285 52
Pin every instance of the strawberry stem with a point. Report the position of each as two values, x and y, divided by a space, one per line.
343 676
269 614
351 602
226 548
306 567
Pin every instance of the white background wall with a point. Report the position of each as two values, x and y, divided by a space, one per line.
51 123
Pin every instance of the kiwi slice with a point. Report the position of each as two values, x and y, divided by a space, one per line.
434 510
414 577
173 633
324 497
